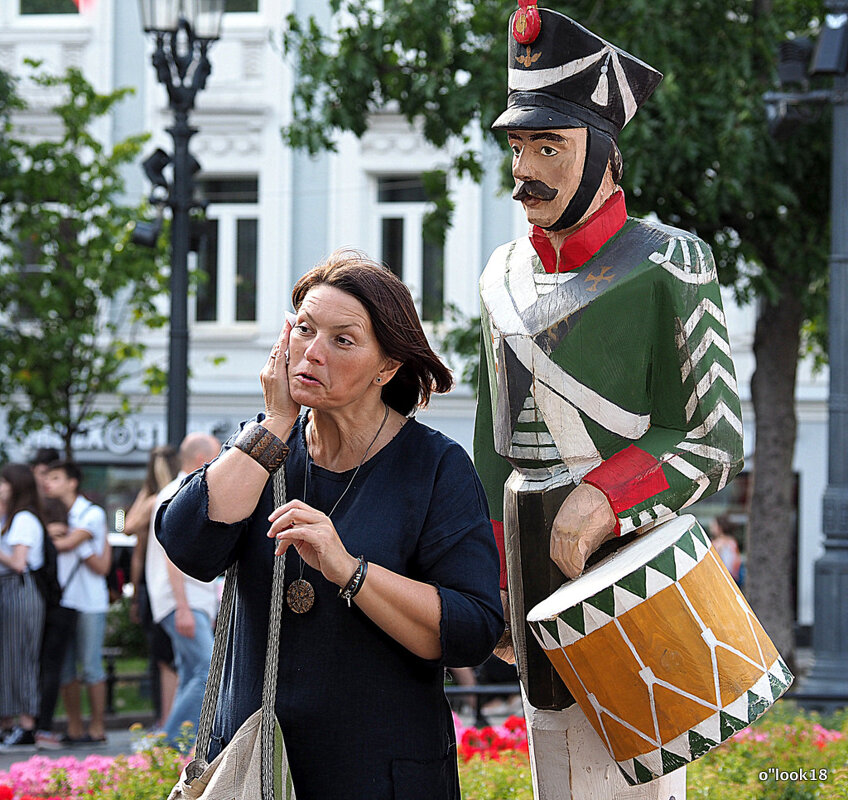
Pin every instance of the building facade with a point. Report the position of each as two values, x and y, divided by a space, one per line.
273 213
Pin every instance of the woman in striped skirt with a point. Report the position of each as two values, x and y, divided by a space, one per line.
21 603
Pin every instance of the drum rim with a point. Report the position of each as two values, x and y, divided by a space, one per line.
587 585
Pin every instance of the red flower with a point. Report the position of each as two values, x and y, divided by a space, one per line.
514 724
6 793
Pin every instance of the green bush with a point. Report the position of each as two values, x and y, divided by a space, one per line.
787 755
483 778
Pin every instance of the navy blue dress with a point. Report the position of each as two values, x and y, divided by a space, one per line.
361 715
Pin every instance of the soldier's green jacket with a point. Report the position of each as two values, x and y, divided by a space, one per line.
618 373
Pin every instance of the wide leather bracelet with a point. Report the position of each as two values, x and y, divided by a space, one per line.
266 449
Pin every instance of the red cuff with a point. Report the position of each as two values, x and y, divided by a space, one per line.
497 529
628 478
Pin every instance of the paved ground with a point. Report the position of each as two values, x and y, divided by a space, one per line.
119 741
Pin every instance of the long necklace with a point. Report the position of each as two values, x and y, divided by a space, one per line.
300 596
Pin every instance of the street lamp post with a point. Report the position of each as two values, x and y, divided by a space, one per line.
183 32
826 685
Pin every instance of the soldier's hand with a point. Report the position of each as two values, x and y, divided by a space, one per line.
583 523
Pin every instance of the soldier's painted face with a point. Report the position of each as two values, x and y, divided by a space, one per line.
548 169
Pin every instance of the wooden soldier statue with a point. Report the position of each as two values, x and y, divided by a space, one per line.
607 398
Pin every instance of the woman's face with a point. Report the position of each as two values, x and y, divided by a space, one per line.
334 355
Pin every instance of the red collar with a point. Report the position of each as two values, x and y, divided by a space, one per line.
581 245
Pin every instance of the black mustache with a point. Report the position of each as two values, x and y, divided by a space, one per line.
537 189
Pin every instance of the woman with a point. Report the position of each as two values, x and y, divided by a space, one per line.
360 693
21 603
162 467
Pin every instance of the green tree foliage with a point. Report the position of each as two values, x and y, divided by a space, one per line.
699 155
73 288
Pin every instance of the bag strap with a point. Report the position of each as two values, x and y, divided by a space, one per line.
219 651
74 571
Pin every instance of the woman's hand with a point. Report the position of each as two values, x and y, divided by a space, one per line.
279 406
315 539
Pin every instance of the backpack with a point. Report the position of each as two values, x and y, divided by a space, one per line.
47 576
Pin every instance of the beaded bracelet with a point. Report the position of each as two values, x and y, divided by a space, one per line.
355 583
266 449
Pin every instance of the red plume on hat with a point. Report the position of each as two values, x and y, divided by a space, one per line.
526 23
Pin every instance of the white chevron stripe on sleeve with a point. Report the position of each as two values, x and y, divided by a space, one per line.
715 373
711 337
706 306
712 453
721 411
693 473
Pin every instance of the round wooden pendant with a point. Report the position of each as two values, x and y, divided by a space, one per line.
300 596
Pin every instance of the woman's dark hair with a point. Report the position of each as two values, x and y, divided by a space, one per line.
395 321
163 465
24 496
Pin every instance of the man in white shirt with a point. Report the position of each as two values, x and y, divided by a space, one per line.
83 560
184 606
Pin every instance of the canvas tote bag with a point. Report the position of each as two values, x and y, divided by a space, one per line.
253 766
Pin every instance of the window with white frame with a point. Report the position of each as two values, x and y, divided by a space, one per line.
228 250
402 203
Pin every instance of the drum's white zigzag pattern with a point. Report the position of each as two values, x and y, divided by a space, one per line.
567 634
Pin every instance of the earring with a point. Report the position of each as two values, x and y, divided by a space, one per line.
379 380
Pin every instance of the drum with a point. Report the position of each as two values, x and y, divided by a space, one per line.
661 650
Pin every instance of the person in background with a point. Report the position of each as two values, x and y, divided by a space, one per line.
84 560
184 606
727 546
21 603
56 619
162 468
54 513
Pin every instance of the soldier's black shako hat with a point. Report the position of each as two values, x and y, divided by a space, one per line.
568 77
